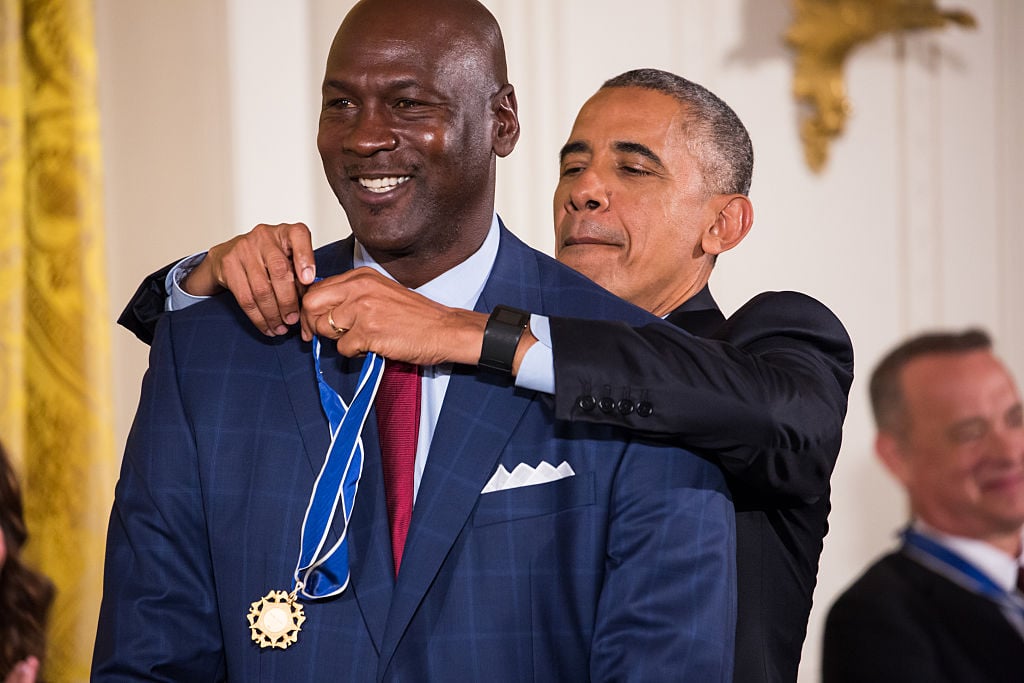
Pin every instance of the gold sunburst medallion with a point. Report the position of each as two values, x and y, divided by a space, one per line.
276 619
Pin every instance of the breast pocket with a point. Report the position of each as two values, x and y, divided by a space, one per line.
536 500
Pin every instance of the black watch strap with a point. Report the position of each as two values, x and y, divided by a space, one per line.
501 337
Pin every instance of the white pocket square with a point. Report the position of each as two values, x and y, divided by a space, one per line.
524 475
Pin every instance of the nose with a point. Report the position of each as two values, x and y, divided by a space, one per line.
371 132
587 192
1008 444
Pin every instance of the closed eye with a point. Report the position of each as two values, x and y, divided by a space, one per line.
969 430
635 170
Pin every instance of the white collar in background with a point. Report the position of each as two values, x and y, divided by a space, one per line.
996 564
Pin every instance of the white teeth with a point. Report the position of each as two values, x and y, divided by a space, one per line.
382 184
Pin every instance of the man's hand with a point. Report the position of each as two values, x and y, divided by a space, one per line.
366 311
259 268
24 671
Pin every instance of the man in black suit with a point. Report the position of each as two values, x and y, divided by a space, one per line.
947 605
653 186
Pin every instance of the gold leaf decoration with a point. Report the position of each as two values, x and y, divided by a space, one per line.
823 34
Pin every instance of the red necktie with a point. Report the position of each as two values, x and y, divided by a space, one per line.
398 421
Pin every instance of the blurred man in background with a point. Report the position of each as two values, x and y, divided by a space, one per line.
947 605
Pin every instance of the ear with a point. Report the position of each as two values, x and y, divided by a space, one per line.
735 216
890 452
506 121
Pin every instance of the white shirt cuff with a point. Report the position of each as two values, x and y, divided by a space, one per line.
178 298
537 371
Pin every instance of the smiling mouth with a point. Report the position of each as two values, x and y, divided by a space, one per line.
381 185
1007 481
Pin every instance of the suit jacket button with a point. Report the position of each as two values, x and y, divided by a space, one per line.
586 403
606 404
626 406
645 409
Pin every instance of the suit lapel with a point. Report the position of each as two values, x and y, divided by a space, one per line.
299 376
372 572
369 538
478 416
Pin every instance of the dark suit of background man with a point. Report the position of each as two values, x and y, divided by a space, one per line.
652 188
617 565
947 605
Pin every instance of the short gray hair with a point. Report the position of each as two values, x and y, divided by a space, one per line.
716 136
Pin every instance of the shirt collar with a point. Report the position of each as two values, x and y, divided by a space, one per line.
459 287
994 563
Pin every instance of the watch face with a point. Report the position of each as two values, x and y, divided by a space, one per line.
509 316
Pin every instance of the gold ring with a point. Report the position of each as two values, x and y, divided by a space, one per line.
330 321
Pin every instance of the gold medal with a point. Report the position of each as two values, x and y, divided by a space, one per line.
276 619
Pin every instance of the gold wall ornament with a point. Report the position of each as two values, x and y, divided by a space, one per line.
824 33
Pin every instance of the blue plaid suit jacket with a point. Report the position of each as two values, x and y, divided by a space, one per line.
625 571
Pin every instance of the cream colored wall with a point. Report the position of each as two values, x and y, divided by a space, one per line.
209 111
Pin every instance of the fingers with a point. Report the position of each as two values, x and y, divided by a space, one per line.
324 317
301 243
24 671
244 272
334 326
326 302
259 269
279 303
363 311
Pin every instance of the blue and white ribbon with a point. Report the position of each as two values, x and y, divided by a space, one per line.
320 573
944 561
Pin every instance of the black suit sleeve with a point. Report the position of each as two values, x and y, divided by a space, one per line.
765 393
146 305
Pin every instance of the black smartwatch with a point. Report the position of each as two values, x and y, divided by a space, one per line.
501 337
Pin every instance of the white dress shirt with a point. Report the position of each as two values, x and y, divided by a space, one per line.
459 287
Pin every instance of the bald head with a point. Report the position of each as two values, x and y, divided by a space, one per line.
464 32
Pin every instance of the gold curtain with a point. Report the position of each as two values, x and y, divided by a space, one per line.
55 375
